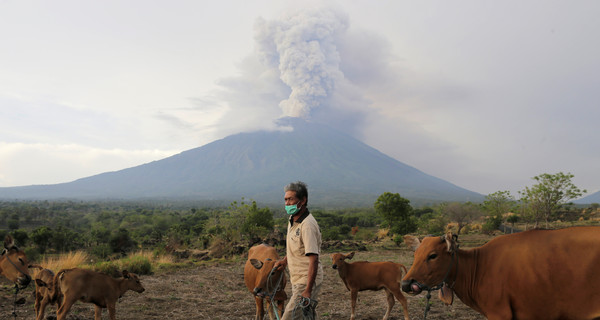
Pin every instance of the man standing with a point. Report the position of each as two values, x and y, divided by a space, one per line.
303 247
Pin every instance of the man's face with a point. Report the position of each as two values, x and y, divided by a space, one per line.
290 198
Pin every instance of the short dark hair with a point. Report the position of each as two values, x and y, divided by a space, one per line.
300 188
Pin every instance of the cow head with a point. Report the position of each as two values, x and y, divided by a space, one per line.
337 259
434 259
268 277
13 264
133 282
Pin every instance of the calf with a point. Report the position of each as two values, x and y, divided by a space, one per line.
44 294
263 281
13 264
364 275
92 287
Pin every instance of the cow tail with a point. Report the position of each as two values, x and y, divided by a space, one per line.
400 274
405 270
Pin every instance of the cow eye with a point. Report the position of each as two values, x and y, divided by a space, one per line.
22 262
432 256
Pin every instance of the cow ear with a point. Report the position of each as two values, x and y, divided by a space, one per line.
40 283
350 255
451 241
125 274
446 295
256 263
412 242
9 242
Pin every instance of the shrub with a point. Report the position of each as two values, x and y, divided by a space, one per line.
110 268
137 264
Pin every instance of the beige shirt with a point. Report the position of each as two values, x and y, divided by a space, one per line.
303 237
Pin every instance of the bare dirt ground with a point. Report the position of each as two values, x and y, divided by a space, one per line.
217 291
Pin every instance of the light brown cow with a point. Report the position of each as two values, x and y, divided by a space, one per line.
364 275
44 294
537 274
264 282
13 264
92 287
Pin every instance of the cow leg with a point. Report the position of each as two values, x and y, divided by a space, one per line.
259 308
402 299
38 299
36 306
111 310
61 313
390 301
97 313
40 308
353 297
280 307
270 309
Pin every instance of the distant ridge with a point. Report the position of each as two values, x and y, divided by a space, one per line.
339 170
589 199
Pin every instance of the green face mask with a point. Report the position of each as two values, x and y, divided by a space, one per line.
292 209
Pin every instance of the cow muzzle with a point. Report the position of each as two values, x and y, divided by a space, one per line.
259 292
23 281
412 287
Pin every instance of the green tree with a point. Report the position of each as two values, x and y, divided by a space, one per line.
121 241
41 238
496 205
396 212
461 213
257 219
550 193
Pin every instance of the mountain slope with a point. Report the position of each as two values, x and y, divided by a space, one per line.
592 198
337 168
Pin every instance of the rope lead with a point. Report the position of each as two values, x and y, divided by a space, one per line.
307 307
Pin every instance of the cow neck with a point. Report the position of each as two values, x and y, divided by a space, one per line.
122 285
465 276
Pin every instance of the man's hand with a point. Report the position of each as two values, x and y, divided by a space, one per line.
282 263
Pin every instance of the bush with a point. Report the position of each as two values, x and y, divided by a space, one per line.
398 239
101 251
110 268
137 264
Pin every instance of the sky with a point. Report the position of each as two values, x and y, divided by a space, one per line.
483 94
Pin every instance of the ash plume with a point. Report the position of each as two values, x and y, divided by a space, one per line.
303 48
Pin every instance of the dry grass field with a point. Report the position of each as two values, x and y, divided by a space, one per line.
216 290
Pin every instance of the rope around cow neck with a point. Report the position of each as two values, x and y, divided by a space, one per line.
15 301
271 293
442 284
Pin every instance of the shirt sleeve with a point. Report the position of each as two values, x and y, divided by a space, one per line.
311 236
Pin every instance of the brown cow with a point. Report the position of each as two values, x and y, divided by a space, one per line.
92 287
364 275
264 282
44 294
537 274
13 264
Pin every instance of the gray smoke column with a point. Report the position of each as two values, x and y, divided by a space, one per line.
303 47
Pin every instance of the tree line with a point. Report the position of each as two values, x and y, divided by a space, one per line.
106 229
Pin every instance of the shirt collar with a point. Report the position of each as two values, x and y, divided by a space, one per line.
302 217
